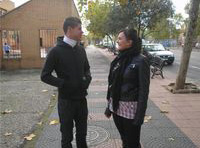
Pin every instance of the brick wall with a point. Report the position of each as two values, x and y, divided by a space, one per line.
29 19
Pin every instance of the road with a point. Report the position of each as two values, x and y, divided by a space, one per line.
193 73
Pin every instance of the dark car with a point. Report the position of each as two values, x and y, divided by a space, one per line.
160 51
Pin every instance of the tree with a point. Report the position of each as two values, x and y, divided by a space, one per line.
118 19
140 14
159 31
187 49
97 15
177 27
198 25
187 7
167 28
145 14
81 4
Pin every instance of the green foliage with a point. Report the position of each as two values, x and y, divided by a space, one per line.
160 30
111 16
145 14
167 28
81 4
118 19
187 7
97 14
198 24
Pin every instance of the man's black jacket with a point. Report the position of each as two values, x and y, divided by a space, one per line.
72 69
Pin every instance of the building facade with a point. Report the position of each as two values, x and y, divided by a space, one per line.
31 30
5 6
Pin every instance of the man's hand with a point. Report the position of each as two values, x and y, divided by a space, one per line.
86 82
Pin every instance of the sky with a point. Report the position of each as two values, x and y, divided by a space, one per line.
179 5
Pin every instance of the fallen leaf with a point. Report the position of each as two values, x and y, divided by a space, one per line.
7 111
165 102
8 134
171 139
44 90
53 95
53 122
30 137
164 111
40 113
147 118
40 123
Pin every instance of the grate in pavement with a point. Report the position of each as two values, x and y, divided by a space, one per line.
95 135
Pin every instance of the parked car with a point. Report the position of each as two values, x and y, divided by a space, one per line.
197 45
160 51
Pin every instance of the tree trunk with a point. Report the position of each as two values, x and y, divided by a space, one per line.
139 27
187 49
110 39
142 34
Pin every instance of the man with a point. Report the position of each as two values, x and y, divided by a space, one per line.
6 49
70 63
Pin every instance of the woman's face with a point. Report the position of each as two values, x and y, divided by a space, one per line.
123 42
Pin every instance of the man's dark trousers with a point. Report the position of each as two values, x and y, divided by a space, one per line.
70 112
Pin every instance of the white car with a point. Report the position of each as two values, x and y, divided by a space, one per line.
197 45
159 50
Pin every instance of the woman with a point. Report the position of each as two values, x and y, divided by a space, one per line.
128 88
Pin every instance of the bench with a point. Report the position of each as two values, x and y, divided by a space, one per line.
157 65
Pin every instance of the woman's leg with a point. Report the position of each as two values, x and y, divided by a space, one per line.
119 124
132 133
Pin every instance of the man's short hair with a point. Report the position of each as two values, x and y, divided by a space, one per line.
71 22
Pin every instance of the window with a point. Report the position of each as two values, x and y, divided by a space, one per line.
2 11
47 40
11 44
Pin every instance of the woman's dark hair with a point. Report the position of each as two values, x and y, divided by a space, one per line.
131 34
71 22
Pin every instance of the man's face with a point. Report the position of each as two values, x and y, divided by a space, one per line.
75 33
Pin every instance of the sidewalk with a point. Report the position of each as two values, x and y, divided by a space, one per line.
24 100
178 128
